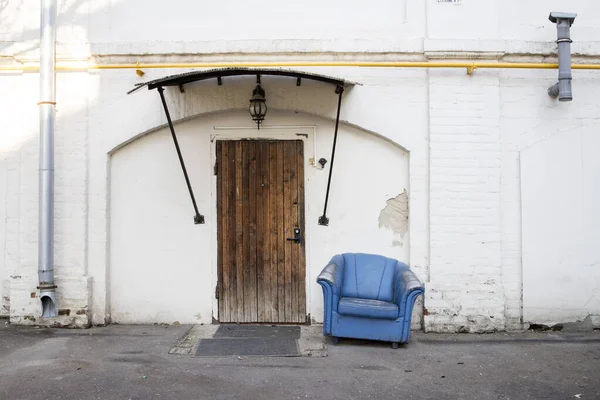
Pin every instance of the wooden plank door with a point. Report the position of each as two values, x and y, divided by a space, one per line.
260 204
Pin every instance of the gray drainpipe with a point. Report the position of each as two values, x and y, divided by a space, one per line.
46 203
562 89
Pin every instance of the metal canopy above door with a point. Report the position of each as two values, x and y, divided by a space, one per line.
218 74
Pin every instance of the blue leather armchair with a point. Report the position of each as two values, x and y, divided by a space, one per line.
368 296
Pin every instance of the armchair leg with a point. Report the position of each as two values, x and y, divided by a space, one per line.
335 340
395 345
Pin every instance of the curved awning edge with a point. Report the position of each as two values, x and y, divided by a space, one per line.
195 76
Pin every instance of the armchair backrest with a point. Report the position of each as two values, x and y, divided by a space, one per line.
368 276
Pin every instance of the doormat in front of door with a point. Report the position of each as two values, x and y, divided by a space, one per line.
258 331
251 340
308 338
248 347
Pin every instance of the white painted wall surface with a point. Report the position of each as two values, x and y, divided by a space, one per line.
466 136
560 188
159 260
528 120
4 281
163 267
224 21
209 29
523 20
465 289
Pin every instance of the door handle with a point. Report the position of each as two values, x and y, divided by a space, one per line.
297 236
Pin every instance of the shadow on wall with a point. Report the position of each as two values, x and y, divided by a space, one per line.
19 154
21 22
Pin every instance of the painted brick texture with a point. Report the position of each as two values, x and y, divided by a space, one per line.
465 289
464 134
70 223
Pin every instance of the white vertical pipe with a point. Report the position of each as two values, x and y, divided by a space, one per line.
47 106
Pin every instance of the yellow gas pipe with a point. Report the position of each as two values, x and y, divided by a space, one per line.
470 66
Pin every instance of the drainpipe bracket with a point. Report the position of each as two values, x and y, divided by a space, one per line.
567 40
47 287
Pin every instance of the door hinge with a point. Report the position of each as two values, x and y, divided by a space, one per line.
217 291
216 167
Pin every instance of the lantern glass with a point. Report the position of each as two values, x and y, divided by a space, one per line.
258 105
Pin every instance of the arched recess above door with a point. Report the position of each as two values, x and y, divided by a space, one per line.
257 108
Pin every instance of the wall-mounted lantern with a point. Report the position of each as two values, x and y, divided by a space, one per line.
258 105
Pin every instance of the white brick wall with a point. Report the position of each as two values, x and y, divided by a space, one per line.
4 282
464 133
21 192
530 120
510 211
465 288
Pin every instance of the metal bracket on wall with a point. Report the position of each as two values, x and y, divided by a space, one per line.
323 220
198 218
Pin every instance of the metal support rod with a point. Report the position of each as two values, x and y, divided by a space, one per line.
323 220
47 106
198 218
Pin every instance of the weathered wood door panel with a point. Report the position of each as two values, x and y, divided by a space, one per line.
260 203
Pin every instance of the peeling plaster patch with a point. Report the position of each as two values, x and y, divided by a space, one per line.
394 215
397 243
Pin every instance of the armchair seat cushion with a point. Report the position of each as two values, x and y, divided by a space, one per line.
367 308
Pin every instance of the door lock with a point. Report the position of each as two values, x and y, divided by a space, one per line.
297 236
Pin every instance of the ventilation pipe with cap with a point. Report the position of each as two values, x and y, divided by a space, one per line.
47 106
562 89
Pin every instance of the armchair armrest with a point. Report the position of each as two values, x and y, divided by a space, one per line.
411 281
330 280
406 283
331 275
